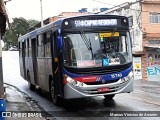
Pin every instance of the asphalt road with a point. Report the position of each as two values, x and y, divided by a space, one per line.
144 98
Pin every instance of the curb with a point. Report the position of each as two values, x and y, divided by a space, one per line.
16 97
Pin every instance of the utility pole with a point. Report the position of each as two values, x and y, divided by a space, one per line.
3 20
2 30
1 72
41 13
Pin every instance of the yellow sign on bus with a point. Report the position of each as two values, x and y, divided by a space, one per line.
109 34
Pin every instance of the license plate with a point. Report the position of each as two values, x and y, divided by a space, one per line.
103 89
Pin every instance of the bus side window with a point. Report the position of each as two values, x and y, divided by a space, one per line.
26 47
29 48
47 44
20 45
20 49
40 51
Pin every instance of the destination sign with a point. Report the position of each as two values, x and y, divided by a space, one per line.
114 34
100 22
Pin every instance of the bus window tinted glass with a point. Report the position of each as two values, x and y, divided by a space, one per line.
96 49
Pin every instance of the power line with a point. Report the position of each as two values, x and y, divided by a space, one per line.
104 3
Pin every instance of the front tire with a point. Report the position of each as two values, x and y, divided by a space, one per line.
109 97
54 94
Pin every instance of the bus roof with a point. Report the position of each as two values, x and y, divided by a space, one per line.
58 24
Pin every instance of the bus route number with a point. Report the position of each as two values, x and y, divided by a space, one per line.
116 75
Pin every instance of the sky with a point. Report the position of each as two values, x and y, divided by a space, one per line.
30 9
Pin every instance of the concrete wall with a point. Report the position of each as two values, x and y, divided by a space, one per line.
151 33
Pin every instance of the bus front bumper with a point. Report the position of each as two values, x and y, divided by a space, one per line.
71 92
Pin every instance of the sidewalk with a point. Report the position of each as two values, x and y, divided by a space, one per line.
19 107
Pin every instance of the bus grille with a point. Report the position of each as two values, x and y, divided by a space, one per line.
100 83
100 72
111 89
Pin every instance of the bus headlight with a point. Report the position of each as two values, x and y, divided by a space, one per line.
130 76
74 82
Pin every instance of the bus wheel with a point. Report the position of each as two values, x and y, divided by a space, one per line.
54 94
31 86
109 97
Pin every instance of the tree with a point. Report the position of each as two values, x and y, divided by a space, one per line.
19 27
32 22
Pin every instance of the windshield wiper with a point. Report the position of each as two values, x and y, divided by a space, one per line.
86 41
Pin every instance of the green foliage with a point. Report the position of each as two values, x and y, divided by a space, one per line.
19 27
32 23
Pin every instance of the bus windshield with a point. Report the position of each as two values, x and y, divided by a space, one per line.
86 49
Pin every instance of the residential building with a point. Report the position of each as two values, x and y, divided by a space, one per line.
54 18
144 19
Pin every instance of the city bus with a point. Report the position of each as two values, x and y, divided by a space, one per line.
77 57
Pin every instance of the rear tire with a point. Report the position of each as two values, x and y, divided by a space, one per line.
30 85
109 97
54 94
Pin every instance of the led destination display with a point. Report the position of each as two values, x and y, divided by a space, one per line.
86 23
101 22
